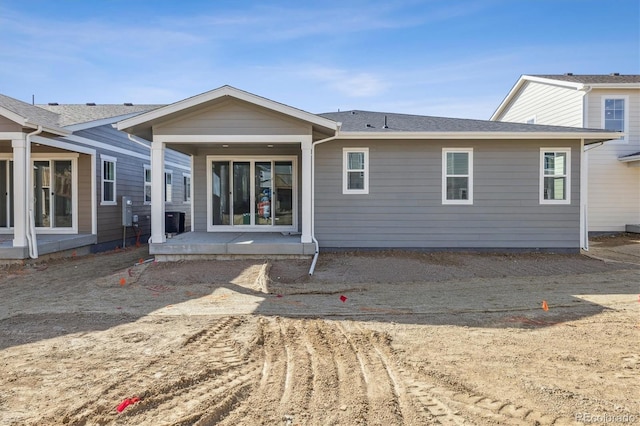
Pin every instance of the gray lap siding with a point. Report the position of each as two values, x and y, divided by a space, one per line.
404 205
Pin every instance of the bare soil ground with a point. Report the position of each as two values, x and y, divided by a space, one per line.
372 338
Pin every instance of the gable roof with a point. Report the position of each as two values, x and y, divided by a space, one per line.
73 114
371 125
583 82
147 119
30 116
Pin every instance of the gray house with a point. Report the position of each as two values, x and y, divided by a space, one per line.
64 170
272 179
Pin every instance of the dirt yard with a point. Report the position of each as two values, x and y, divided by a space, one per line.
372 339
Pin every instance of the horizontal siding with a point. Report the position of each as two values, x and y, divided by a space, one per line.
404 207
614 187
233 118
130 182
7 125
553 105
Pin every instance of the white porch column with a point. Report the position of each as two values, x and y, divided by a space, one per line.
157 192
306 190
20 192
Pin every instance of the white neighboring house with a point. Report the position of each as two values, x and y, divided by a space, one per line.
609 102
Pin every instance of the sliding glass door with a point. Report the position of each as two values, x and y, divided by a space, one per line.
6 194
247 193
53 193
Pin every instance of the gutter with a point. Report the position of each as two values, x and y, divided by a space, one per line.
31 227
313 197
138 142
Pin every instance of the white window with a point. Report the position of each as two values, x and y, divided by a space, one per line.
615 114
457 176
108 180
186 187
355 176
168 186
555 176
147 184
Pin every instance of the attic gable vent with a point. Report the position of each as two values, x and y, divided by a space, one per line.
91 104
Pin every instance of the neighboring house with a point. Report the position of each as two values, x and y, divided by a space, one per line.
272 179
63 172
591 101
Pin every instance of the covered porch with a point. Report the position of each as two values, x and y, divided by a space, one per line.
251 174
230 244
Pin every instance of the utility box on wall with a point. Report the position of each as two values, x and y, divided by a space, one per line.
127 211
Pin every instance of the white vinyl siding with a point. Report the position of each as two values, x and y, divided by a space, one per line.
553 105
457 176
555 176
108 180
355 171
614 186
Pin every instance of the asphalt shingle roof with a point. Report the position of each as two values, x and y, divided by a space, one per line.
368 121
71 114
594 78
32 113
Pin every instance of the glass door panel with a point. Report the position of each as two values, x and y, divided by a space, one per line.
263 193
283 193
42 193
62 195
221 190
242 193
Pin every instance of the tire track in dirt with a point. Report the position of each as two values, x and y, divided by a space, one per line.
211 369
448 404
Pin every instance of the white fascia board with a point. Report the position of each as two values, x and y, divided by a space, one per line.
479 135
219 93
521 81
629 158
615 86
107 147
101 122
10 115
56 143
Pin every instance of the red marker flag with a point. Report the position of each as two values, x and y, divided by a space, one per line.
343 298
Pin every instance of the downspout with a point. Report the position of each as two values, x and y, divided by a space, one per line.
313 197
32 242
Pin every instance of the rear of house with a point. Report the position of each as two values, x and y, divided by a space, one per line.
592 101
266 172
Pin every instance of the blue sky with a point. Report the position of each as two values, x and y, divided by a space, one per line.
452 58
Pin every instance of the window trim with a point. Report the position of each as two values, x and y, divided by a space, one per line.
625 98
346 171
567 174
186 193
445 200
168 195
145 184
104 159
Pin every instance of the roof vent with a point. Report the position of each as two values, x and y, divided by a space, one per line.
385 123
368 125
568 73
128 104
54 103
614 74
353 113
91 104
